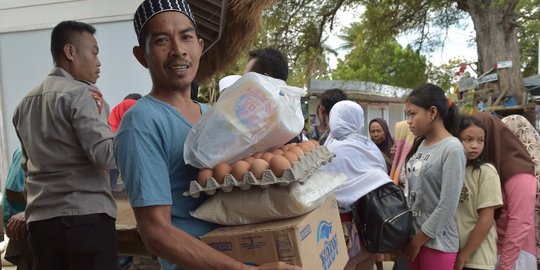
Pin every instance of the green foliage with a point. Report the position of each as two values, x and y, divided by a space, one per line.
299 28
529 35
296 29
388 63
445 75
209 93
386 19
442 76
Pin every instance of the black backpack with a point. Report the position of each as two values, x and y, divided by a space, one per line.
383 219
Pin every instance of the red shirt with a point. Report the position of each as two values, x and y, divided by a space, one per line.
118 112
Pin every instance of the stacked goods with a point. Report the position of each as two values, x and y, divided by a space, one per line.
273 203
289 163
291 185
314 240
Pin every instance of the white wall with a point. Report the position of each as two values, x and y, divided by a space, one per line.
25 61
376 110
396 113
25 15
392 113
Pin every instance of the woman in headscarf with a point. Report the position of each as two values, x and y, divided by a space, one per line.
529 137
515 220
362 162
378 131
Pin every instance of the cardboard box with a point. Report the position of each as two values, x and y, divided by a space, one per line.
314 240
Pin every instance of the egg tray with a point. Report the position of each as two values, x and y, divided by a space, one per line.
300 171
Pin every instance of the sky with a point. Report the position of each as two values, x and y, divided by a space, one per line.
456 44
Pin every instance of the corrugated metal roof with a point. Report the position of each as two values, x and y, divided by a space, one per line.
367 91
532 82
533 85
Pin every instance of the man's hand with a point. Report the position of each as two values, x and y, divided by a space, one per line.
16 227
278 266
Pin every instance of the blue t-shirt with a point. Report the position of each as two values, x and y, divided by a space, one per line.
14 182
149 151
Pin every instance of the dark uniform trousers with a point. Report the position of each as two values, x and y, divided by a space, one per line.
85 242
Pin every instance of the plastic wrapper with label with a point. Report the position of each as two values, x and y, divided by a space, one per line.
254 114
272 203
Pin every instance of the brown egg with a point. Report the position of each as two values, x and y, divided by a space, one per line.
277 152
291 144
249 159
285 148
239 168
258 166
314 143
305 146
310 144
290 156
220 171
203 176
267 156
297 151
257 155
278 165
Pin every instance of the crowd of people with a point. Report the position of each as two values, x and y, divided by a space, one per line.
69 150
470 183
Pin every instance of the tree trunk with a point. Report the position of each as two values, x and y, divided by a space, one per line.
496 40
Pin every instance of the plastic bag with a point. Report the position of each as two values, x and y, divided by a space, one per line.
254 114
256 205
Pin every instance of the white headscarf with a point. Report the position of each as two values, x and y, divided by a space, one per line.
356 155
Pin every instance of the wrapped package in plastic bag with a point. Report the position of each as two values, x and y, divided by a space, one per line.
240 207
254 114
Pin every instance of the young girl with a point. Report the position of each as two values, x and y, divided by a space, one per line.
435 170
515 219
480 196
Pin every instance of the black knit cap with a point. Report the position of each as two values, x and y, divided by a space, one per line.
149 8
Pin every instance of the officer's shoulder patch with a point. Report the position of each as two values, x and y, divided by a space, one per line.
98 98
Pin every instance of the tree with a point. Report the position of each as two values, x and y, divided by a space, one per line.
387 63
529 35
495 23
448 75
209 92
296 28
299 28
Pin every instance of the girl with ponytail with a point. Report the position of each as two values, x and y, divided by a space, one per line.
435 170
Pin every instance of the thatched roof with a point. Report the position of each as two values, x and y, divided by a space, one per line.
233 23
